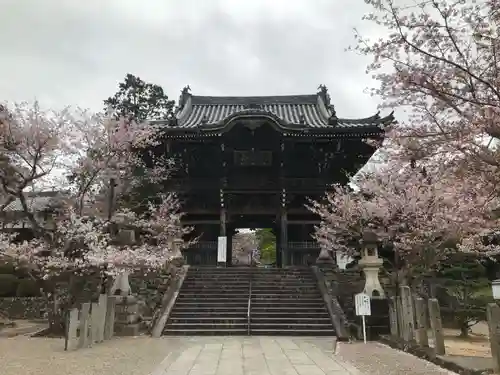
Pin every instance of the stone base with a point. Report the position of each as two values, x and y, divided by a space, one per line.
221 264
127 329
321 261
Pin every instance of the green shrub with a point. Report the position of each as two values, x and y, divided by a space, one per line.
28 288
8 285
7 267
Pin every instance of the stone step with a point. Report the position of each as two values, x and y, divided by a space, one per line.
217 288
277 311
221 278
291 332
212 301
206 332
285 306
208 325
283 280
264 286
284 319
210 319
209 309
197 313
201 303
292 325
284 292
276 298
287 297
214 295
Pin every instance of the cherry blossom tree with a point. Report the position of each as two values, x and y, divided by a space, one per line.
97 152
244 246
423 217
439 61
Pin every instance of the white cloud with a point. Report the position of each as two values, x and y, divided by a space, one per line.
75 52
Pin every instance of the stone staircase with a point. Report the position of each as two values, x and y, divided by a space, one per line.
215 301
288 302
212 301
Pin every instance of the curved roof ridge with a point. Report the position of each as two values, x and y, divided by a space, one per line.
242 100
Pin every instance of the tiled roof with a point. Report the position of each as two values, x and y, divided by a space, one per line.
290 111
37 201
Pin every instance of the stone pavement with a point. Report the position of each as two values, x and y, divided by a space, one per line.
273 356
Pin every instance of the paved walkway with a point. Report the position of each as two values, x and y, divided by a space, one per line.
277 356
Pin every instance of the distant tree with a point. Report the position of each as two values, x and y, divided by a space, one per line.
244 245
465 280
139 100
267 245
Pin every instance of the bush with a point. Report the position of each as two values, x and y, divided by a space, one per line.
8 285
7 267
28 288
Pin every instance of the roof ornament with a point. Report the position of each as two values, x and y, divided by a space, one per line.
184 95
171 120
323 93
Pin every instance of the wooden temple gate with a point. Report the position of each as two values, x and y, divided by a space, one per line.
253 162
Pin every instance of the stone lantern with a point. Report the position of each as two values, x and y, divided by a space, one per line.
370 263
176 248
324 257
121 283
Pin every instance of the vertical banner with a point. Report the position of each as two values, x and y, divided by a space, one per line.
221 249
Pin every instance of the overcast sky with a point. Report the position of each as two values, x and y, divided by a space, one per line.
74 52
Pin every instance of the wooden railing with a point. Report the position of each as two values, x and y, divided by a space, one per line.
249 183
203 245
302 245
293 245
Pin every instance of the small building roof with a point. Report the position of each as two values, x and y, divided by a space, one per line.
291 112
38 201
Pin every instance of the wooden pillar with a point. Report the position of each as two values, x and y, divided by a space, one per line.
283 214
277 234
284 238
222 231
229 248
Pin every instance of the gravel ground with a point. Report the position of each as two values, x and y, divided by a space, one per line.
23 355
378 359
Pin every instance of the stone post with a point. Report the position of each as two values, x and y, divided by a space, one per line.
493 317
436 326
71 333
83 326
109 323
420 309
370 263
400 317
408 316
393 316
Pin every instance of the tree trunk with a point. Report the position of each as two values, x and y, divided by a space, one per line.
464 331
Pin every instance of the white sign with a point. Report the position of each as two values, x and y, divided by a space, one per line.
363 308
221 249
342 259
363 305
